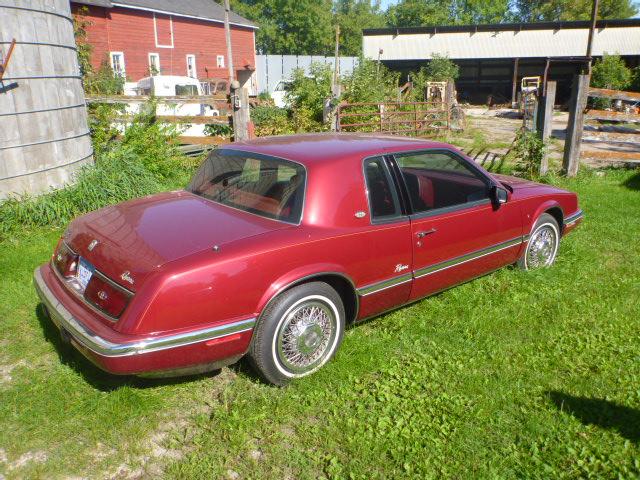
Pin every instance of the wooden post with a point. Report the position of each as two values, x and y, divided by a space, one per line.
594 17
227 34
573 140
514 86
545 120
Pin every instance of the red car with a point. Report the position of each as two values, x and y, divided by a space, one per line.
278 243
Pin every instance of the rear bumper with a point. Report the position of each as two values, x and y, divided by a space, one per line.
214 346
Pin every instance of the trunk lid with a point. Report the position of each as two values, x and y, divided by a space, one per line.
136 237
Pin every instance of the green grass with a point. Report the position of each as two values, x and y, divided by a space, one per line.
516 374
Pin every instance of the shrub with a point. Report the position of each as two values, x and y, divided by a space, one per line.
309 92
528 151
370 82
611 72
271 121
441 69
154 144
116 177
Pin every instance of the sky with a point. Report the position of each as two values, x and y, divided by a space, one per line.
385 3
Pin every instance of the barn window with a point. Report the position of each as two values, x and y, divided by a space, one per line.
163 30
117 63
191 66
220 61
154 63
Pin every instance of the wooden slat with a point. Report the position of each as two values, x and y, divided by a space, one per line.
197 120
614 94
202 99
613 136
612 116
203 140
610 155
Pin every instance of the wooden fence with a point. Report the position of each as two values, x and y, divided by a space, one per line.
219 102
624 141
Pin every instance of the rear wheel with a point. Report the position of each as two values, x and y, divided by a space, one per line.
298 333
542 247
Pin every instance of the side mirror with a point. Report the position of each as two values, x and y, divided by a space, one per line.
499 196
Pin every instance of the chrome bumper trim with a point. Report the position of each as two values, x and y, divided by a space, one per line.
571 219
101 346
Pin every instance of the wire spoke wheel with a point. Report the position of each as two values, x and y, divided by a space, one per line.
542 247
306 336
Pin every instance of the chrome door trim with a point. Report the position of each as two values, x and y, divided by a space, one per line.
437 267
384 284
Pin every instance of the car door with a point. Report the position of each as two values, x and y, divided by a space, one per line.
387 242
458 232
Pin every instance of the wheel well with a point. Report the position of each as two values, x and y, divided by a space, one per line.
345 289
556 212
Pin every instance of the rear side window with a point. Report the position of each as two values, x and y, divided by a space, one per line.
383 198
266 186
439 180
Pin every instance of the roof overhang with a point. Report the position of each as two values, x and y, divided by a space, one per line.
174 14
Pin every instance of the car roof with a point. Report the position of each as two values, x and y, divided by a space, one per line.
309 149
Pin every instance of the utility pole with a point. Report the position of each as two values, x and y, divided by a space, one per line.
336 68
594 17
227 34
239 97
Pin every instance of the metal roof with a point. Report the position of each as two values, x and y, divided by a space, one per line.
208 10
542 40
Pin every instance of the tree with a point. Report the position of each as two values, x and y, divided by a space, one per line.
611 72
292 27
416 13
552 10
353 16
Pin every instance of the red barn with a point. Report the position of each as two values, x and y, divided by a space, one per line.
142 37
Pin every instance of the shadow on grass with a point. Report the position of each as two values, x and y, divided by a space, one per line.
97 378
602 413
633 183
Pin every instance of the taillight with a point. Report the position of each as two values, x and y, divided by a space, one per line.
106 296
64 260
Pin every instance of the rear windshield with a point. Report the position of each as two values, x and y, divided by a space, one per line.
267 186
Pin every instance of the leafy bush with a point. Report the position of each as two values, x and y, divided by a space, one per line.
370 82
441 69
309 92
528 150
116 177
271 121
611 72
153 144
218 130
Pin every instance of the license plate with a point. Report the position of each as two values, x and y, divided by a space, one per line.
85 271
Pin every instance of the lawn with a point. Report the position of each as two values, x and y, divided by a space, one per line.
515 374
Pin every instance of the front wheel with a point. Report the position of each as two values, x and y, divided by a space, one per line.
298 333
542 247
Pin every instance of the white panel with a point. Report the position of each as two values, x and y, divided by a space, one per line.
506 44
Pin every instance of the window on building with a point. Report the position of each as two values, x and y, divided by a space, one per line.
191 66
154 63
220 61
117 63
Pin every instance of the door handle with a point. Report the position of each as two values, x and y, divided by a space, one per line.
425 233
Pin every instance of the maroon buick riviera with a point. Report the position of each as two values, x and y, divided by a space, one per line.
278 243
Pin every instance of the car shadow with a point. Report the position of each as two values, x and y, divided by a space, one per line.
633 183
97 378
602 413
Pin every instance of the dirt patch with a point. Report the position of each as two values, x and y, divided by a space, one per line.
5 371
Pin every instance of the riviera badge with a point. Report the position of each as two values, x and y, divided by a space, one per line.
126 276
93 244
